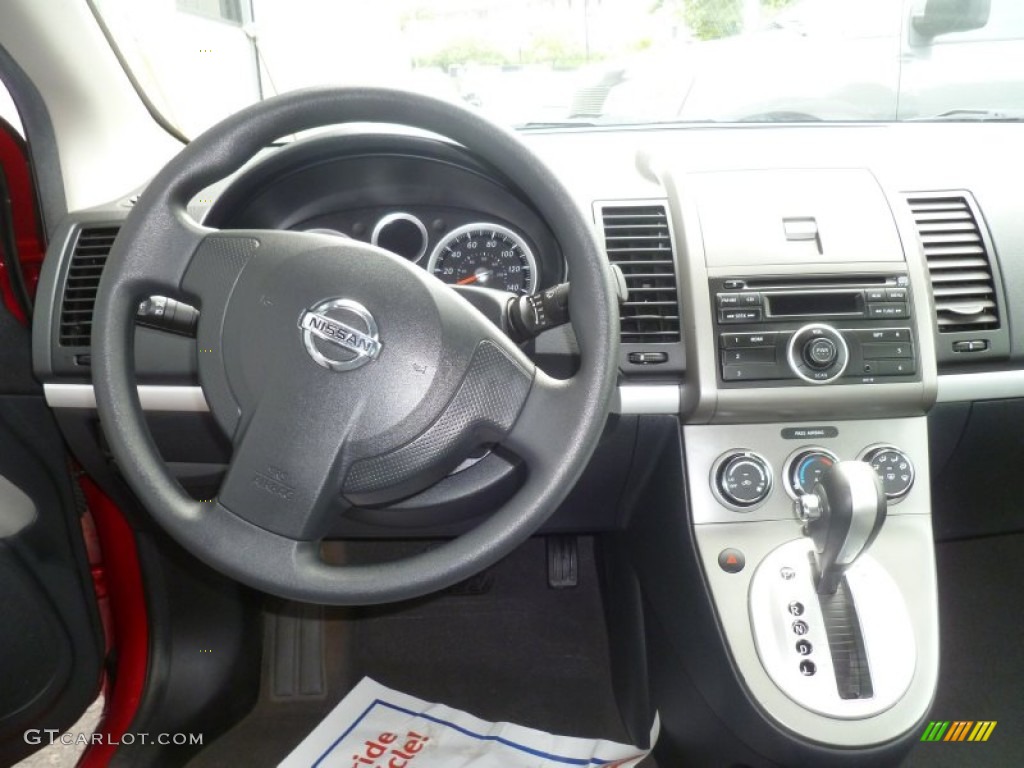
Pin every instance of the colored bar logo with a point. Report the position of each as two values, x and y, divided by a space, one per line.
958 730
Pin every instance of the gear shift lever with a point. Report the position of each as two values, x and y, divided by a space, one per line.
843 515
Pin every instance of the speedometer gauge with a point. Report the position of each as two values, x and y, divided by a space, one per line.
486 255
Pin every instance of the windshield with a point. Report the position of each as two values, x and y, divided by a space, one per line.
552 62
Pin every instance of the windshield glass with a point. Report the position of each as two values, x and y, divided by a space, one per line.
543 62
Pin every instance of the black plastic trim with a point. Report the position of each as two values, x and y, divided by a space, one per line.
42 142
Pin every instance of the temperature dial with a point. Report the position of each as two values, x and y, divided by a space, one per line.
805 468
894 469
742 480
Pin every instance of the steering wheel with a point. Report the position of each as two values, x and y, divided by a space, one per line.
339 369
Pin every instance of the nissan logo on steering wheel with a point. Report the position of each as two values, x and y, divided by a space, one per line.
340 334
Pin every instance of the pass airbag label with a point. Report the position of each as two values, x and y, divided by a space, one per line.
809 433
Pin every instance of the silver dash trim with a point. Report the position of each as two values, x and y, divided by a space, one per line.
992 385
646 398
153 397
630 399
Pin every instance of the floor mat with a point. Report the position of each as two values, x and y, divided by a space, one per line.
504 647
982 652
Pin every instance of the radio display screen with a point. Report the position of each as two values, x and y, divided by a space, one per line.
820 303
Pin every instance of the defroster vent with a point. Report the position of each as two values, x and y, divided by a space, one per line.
637 238
958 262
92 245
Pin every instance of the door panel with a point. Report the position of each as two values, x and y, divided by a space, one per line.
50 634
51 641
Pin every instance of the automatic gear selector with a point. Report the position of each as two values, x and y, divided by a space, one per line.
843 514
850 653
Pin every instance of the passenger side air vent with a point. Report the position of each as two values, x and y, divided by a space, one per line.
637 238
958 262
92 246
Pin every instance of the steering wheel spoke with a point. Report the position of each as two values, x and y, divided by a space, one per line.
545 424
283 473
482 410
214 266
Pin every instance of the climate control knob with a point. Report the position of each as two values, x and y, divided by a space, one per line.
742 479
817 353
806 467
894 468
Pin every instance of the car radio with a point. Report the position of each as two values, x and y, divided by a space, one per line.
814 330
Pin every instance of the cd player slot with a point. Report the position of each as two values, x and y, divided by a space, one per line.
815 281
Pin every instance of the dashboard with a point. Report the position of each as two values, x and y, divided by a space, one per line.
814 224
796 296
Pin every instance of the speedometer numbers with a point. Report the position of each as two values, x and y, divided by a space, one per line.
485 255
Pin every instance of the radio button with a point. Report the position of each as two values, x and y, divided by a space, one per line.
889 334
896 294
733 285
888 310
739 340
728 300
888 349
747 372
750 299
876 294
895 367
739 315
748 355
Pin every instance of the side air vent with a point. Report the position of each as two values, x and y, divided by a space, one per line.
958 262
92 246
638 240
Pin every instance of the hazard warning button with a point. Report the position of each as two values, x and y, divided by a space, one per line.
731 560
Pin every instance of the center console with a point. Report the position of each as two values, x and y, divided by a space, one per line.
810 367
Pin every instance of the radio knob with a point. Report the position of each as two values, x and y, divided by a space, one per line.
817 353
820 353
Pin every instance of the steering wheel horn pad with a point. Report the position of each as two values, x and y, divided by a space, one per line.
342 371
303 432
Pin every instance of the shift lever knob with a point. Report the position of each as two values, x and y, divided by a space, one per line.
844 514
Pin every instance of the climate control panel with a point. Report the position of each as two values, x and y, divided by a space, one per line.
742 480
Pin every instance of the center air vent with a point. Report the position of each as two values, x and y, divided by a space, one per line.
638 240
92 246
958 262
